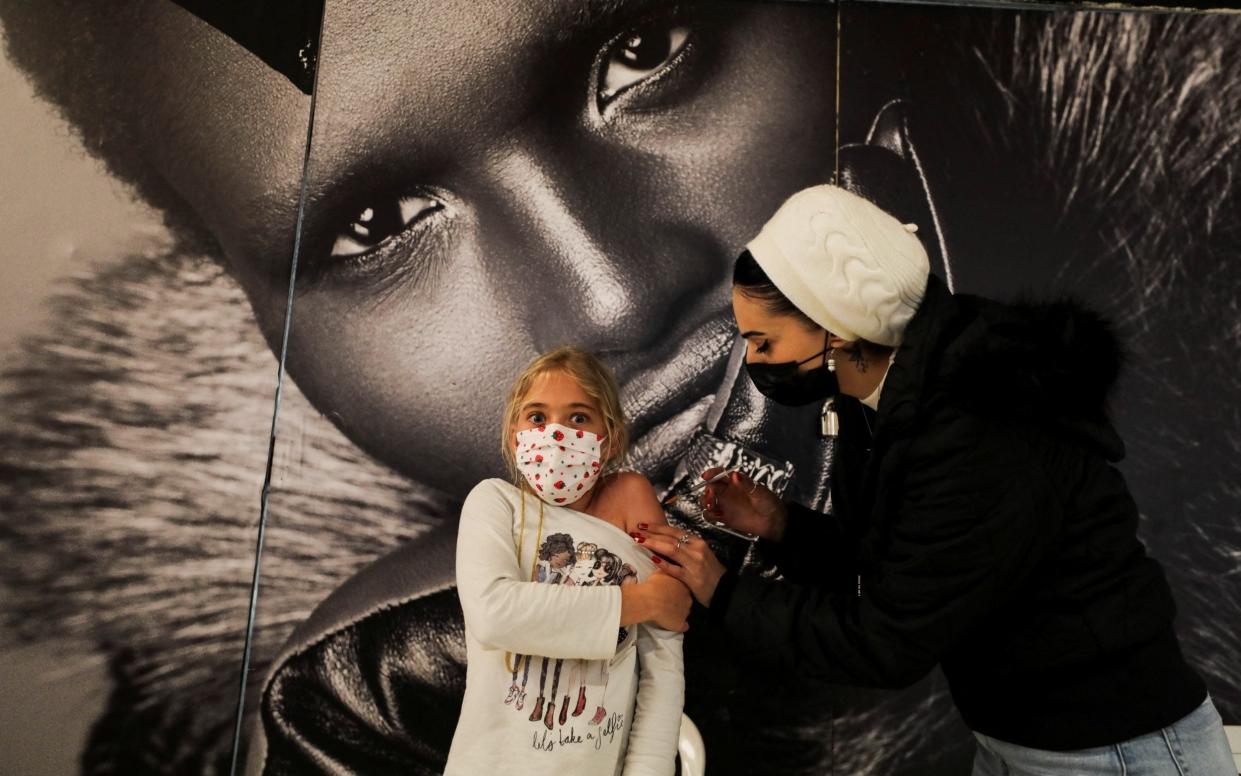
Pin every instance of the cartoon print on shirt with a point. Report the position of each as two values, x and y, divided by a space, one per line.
516 693
584 561
560 562
556 560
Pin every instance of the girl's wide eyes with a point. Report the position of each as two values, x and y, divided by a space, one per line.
379 223
539 418
638 55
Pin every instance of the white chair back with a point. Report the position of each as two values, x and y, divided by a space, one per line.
690 749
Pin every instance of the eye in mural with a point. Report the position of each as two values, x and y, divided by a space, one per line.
375 226
638 56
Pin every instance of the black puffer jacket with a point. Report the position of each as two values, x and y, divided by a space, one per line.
988 532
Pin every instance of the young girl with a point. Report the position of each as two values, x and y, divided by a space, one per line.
572 634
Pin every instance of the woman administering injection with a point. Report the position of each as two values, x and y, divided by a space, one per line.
989 533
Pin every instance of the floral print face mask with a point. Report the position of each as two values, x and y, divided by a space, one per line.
560 463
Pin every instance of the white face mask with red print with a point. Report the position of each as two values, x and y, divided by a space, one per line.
560 463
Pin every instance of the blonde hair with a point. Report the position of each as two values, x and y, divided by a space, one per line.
596 381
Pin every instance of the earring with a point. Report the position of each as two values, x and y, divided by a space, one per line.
831 360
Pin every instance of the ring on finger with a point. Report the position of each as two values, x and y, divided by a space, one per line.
684 539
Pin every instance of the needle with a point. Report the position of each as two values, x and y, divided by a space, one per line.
722 475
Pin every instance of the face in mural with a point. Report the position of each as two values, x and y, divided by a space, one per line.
489 180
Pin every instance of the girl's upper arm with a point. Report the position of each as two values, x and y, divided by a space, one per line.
637 491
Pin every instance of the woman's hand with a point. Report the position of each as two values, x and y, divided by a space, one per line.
743 505
692 561
661 599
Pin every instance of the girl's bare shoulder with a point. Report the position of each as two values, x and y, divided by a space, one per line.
630 495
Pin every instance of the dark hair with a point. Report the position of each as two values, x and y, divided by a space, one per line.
603 557
556 544
750 279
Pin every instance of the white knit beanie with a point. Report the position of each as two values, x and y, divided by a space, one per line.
849 266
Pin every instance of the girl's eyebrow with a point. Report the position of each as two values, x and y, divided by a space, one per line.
748 334
574 405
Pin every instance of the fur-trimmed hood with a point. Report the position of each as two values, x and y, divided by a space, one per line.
1057 361
131 468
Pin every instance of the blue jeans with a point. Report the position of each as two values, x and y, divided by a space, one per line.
1192 746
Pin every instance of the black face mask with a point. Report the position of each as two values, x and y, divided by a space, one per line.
784 384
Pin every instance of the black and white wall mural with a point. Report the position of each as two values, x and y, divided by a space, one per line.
467 184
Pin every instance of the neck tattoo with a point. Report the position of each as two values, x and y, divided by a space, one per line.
858 359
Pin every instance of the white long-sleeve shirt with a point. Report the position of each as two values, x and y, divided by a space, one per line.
565 701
